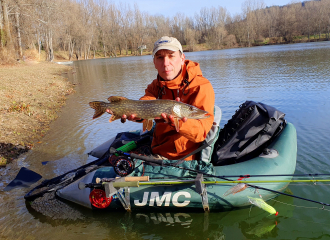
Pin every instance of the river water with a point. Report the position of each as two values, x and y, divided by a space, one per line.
293 78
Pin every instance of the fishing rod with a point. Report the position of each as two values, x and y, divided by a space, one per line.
161 163
278 175
230 181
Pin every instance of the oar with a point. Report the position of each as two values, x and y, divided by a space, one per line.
24 178
161 163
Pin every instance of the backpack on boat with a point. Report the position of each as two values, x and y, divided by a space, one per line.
250 130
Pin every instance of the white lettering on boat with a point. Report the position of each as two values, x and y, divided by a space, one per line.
177 195
144 200
155 197
165 199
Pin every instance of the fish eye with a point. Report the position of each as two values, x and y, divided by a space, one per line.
191 108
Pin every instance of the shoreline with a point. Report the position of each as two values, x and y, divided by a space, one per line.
63 59
31 96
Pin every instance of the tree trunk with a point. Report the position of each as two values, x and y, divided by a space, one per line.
49 46
19 40
1 26
104 50
39 45
71 49
7 35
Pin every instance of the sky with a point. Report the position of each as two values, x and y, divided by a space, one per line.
169 8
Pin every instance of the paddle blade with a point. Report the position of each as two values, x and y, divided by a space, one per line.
25 178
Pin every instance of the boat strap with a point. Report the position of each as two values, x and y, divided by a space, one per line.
201 190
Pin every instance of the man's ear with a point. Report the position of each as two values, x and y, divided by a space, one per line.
183 57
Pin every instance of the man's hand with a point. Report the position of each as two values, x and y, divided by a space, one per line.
124 117
169 118
131 118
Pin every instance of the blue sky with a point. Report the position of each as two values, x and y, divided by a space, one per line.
169 8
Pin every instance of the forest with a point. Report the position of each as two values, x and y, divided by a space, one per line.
86 29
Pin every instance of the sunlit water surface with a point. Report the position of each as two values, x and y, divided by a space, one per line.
293 78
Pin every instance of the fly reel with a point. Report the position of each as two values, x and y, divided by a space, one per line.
123 166
98 198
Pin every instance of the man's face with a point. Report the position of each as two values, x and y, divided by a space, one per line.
168 63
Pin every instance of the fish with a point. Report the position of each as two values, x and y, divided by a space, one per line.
235 189
147 110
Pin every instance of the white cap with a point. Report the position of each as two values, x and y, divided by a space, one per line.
168 43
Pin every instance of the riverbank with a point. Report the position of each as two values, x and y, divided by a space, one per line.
31 95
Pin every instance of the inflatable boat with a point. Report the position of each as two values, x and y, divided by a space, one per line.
187 186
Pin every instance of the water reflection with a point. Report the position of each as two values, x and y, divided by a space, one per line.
251 223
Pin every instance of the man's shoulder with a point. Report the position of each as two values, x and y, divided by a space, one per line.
200 80
154 83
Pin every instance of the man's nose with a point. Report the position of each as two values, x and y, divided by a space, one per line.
166 61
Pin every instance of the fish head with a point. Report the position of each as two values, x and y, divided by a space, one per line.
182 110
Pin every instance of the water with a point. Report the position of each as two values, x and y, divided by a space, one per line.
293 78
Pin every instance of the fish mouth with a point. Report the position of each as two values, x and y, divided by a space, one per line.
200 115
206 115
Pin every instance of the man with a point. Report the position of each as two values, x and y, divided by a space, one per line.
181 80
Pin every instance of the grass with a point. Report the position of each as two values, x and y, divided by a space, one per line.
31 95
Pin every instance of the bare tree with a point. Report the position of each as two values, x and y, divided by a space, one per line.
6 35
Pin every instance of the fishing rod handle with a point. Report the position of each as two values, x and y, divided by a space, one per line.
126 179
133 179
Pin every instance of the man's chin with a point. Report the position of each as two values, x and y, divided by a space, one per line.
167 78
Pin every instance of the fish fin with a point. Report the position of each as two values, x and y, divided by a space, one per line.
150 123
145 122
177 124
96 105
116 99
113 118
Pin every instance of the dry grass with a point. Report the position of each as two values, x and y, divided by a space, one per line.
7 57
31 94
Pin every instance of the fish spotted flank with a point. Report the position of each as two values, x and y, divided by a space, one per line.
147 110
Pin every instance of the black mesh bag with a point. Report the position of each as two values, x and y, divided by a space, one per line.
250 130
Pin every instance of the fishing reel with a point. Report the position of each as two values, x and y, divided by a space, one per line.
123 166
98 198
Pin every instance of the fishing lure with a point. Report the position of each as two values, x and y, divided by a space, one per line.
235 189
263 205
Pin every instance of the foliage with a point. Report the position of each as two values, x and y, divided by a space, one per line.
19 107
91 28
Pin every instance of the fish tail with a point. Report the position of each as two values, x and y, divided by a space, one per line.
97 106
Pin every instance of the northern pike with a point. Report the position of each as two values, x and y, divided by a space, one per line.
147 110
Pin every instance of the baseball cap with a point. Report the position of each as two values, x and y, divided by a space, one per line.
169 43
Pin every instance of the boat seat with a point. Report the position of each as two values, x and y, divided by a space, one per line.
212 136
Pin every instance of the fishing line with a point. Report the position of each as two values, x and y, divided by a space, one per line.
293 205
